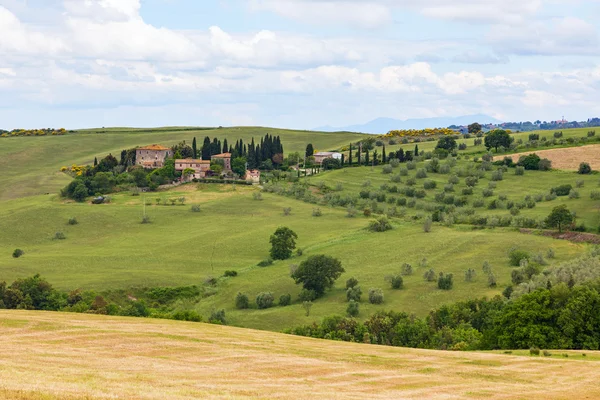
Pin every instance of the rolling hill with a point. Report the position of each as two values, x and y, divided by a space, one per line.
96 357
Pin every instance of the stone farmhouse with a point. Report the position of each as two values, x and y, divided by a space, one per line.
226 157
152 156
253 175
323 155
200 167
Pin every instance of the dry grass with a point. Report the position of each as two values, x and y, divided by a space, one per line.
68 356
567 158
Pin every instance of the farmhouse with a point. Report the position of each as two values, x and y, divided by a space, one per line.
152 156
253 175
226 157
322 155
200 167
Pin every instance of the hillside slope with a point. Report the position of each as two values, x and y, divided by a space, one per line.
68 356
31 165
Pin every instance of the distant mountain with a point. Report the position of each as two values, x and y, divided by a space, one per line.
384 125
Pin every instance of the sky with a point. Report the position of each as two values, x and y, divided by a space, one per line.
294 63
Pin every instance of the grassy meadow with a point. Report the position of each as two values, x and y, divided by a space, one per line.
96 357
109 249
31 165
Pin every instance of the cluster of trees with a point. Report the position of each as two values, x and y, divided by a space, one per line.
33 132
420 132
110 174
267 154
559 317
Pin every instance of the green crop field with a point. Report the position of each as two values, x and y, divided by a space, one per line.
31 165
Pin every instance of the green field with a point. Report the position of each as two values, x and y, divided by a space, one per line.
110 249
31 165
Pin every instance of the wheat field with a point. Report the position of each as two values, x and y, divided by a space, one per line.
76 356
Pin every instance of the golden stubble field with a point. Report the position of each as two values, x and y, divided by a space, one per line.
568 158
76 356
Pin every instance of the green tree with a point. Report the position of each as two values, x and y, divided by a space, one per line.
283 241
474 128
383 155
560 217
206 149
497 138
80 193
238 166
416 153
309 150
318 273
446 143
194 148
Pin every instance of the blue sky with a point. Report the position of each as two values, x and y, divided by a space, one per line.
294 63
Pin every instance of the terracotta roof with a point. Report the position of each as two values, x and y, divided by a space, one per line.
191 161
156 147
326 153
222 155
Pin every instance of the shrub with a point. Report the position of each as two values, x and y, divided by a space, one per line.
471 181
241 301
396 281
257 196
421 174
196 207
352 282
584 169
353 293
299 252
462 146
353 308
453 179
430 276
488 192
519 171
411 182
562 190
17 253
595 195
394 162
580 183
387 169
317 212
367 212
287 211
558 135
448 188
535 351
492 185
285 300
467 191
430 185
307 295
146 219
497 175
427 225
265 262
411 165
217 317
230 273
574 194
445 281
380 225
375 296
530 162
445 169
73 221
407 269
59 236
545 165
492 280
470 275
420 194
403 171
515 256
351 212
396 178
265 300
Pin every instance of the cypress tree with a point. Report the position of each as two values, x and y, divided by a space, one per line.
416 153
383 157
225 146
343 157
400 155
359 155
194 148
206 149
367 157
350 156
96 160
309 150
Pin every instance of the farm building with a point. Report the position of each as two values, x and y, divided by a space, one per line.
226 157
200 167
322 155
152 156
253 175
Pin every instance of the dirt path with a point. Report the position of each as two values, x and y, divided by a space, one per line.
568 158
